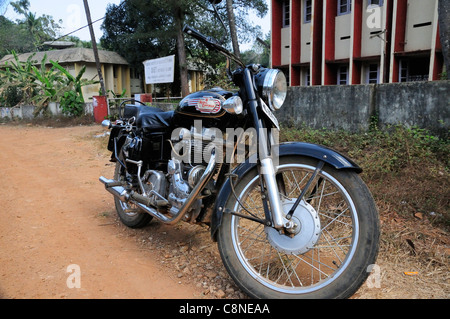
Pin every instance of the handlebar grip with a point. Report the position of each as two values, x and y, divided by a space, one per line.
207 40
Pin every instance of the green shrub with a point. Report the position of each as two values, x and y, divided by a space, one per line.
72 103
407 169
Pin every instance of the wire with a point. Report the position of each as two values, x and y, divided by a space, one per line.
88 25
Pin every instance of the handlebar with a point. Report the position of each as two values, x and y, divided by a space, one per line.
199 36
211 43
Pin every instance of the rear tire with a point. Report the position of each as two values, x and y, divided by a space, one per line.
137 219
331 263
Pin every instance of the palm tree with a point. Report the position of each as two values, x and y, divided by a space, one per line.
33 25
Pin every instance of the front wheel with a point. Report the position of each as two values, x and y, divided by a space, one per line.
329 254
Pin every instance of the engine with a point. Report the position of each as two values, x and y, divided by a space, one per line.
181 183
184 171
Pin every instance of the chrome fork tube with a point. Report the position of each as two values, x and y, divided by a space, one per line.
264 154
268 173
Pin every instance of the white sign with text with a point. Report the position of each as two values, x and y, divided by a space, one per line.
160 70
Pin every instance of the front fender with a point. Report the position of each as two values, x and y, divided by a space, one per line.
318 152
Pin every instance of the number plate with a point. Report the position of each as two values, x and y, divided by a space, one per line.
269 114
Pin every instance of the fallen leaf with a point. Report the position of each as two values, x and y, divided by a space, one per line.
411 273
419 215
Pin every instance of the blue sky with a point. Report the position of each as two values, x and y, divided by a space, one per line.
73 15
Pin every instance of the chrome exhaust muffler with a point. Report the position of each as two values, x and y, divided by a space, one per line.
115 188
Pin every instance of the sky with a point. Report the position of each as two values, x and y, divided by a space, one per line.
71 12
73 15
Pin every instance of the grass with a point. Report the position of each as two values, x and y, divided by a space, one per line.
408 173
407 169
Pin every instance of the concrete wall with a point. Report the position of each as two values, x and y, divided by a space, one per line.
27 111
353 107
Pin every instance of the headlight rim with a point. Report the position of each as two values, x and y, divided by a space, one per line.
268 87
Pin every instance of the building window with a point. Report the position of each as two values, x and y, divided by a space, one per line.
375 3
286 13
344 6
372 76
307 11
342 75
415 69
307 77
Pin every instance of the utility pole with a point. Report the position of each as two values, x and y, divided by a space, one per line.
94 47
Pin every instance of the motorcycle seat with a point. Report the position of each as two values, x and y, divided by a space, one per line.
153 121
131 110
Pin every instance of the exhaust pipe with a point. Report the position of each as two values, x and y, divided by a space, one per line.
115 188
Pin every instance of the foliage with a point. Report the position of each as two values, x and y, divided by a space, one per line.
50 85
146 29
14 37
19 75
407 168
21 82
72 103
259 53
37 29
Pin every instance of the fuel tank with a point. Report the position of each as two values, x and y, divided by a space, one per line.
206 106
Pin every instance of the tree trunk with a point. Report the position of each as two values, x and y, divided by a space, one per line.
94 47
444 32
181 52
233 31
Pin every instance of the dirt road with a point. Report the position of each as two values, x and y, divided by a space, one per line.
53 216
60 237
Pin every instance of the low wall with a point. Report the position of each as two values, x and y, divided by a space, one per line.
27 111
351 107
354 107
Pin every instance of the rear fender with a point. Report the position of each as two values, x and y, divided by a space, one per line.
318 152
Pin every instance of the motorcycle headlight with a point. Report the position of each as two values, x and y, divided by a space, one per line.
272 85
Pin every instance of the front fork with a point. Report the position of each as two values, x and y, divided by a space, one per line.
269 185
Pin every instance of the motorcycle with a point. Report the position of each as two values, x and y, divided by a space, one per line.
291 220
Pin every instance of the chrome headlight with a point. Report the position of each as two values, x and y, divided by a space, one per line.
273 87
233 105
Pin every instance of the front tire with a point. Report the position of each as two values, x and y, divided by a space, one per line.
328 263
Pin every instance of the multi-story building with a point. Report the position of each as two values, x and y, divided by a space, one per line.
329 42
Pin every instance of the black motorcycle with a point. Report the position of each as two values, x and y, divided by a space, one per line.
292 220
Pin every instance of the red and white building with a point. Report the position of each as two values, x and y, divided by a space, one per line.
329 42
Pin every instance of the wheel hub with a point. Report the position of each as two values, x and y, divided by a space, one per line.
303 236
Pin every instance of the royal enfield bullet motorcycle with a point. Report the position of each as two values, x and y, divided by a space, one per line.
291 220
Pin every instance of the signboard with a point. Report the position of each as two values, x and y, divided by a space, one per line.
160 70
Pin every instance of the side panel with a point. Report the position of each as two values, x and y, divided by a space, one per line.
327 155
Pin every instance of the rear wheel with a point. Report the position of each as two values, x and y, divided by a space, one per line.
328 255
129 214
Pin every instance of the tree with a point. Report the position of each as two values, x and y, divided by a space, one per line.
40 29
233 31
259 53
145 29
13 37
